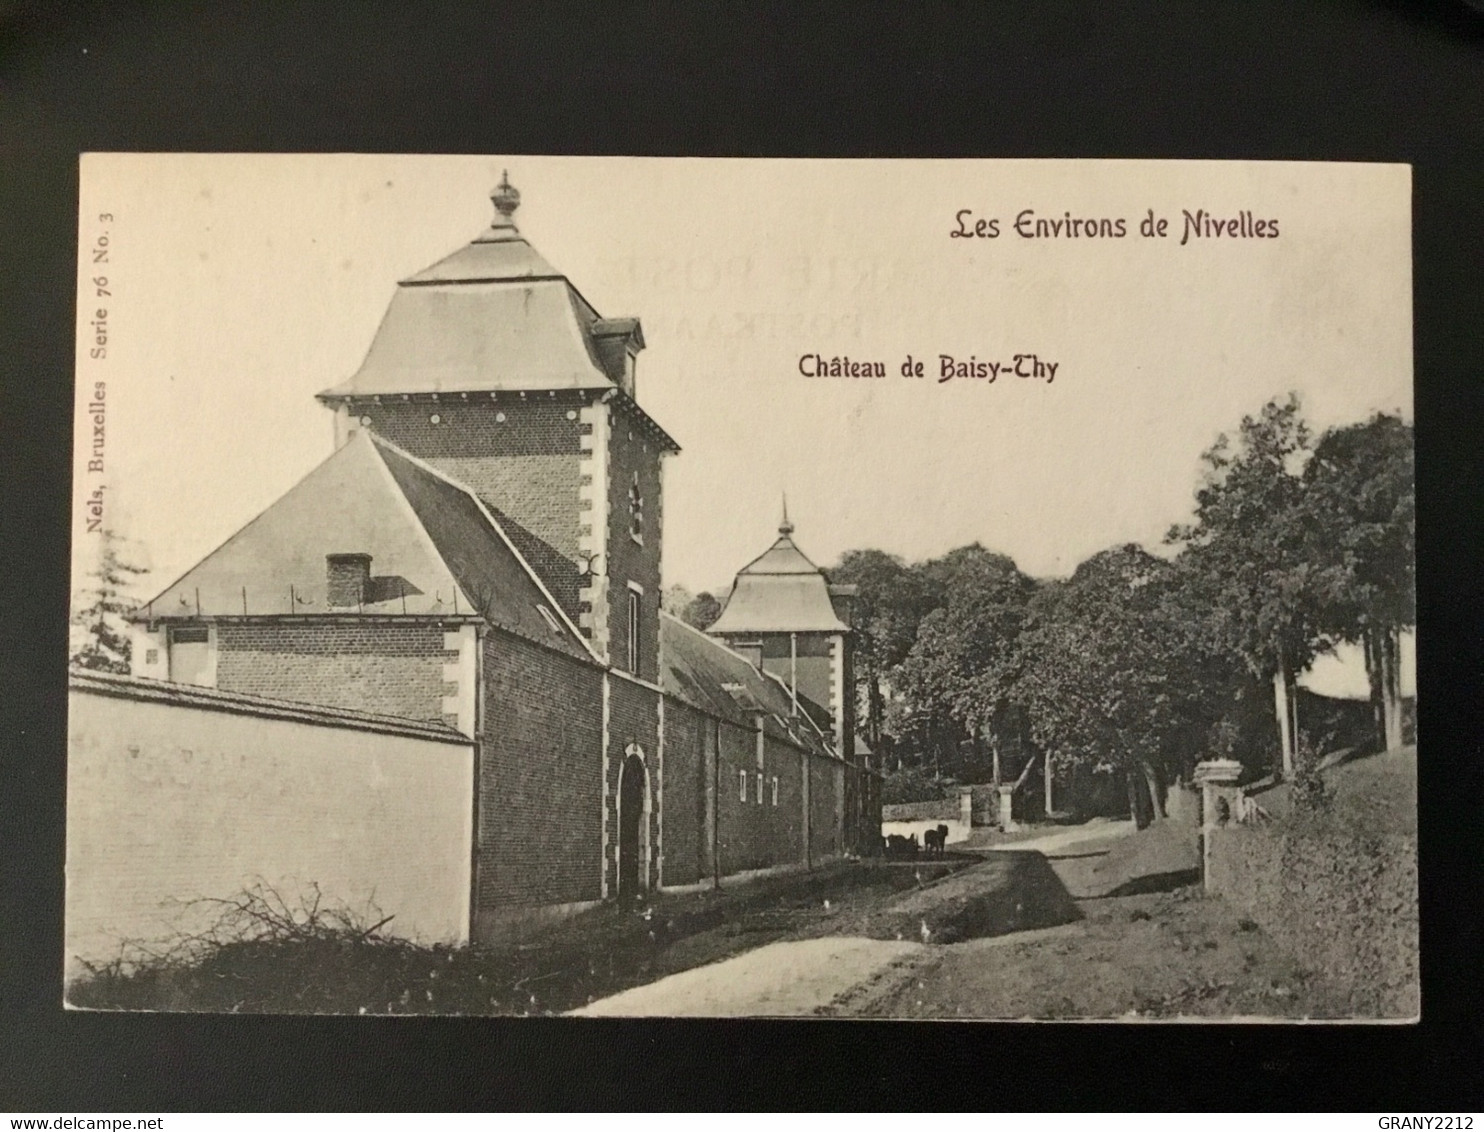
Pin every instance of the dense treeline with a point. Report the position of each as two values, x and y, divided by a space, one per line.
1112 683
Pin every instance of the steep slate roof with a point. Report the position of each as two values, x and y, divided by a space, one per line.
434 551
494 315
474 337
491 574
712 678
780 591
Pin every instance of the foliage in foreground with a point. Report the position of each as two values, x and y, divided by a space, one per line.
265 955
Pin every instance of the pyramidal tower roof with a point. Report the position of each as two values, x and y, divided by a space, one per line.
499 254
780 591
494 315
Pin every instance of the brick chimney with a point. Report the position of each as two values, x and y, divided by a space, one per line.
346 576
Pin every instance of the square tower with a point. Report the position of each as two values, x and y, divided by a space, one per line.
784 616
492 367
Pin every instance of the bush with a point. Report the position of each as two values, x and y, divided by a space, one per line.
262 953
913 784
1342 902
1312 795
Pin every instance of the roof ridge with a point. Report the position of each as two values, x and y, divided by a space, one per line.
146 606
782 543
486 280
417 521
82 677
499 529
666 615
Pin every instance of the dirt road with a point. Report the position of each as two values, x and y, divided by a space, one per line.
788 978
851 953
1090 922
1149 945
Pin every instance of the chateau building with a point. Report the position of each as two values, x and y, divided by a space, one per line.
483 551
787 619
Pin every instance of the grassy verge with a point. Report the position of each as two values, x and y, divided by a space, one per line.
1152 956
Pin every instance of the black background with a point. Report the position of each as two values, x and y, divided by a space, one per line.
1285 79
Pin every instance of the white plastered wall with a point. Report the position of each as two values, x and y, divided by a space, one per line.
167 804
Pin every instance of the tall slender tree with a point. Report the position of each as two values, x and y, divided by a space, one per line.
1249 552
99 633
1362 504
891 600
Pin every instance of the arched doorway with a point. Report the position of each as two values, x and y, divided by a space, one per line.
633 827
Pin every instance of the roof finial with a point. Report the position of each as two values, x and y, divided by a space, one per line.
785 528
506 198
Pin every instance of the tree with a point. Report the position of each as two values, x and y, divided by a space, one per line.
702 611
1114 677
100 638
697 610
1249 554
965 661
674 599
891 600
1363 518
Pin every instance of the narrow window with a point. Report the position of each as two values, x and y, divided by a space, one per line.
775 790
634 632
759 790
636 511
742 778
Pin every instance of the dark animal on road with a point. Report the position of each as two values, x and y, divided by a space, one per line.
935 840
899 846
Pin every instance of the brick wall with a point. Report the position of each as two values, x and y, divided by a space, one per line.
632 451
393 669
519 456
686 860
752 834
845 690
824 809
540 777
633 718
785 822
737 819
869 786
939 809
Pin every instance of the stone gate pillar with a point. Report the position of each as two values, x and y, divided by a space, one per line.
1007 812
1217 779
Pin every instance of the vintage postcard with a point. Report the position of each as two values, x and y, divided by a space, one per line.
896 589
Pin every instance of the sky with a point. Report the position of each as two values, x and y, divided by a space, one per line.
238 286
